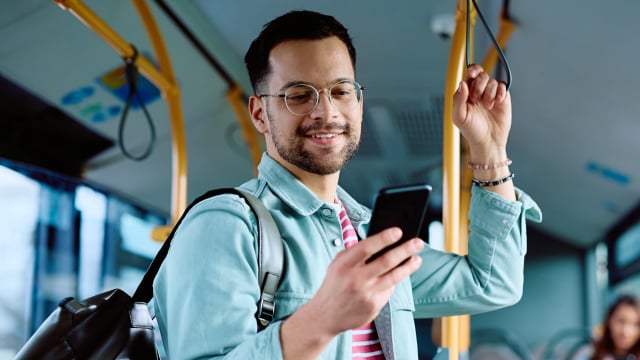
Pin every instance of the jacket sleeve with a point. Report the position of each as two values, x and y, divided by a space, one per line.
206 291
491 275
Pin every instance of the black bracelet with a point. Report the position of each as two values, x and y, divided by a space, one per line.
488 183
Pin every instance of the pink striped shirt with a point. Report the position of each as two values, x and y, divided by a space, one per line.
365 342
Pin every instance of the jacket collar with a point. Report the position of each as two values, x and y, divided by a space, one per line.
297 196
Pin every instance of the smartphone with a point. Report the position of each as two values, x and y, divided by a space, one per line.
402 206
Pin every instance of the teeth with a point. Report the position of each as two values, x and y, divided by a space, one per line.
323 136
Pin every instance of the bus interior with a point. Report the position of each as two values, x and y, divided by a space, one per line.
88 178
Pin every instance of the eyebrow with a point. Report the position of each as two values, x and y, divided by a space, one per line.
300 82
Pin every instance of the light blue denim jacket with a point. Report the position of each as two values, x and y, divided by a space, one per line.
206 291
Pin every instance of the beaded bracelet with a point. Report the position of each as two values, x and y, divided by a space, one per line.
487 183
477 166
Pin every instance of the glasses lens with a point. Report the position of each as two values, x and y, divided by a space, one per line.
346 92
301 99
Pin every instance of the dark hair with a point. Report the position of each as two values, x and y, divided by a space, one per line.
294 25
604 346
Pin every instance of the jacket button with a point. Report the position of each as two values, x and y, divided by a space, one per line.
327 212
337 242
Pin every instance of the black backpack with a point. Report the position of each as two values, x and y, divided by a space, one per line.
114 325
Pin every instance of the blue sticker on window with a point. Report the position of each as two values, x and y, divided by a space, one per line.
77 96
608 173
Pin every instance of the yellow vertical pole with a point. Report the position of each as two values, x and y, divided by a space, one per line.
450 181
464 321
172 96
453 326
506 28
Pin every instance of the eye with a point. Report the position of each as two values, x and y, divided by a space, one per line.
342 91
299 95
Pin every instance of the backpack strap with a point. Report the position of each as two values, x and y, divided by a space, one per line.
270 256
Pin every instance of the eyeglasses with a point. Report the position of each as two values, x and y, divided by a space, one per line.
302 99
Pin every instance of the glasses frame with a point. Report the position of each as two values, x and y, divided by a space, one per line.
355 84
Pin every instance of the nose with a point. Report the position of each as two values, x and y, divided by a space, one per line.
325 103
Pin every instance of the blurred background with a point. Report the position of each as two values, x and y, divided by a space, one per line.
77 210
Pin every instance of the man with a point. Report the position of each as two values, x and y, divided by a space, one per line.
332 304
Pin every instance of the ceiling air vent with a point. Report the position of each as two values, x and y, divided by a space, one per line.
421 128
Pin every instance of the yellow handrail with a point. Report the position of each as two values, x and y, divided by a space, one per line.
505 30
452 326
456 329
179 168
124 49
164 80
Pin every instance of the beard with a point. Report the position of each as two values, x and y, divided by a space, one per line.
323 162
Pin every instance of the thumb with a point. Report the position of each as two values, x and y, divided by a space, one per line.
460 98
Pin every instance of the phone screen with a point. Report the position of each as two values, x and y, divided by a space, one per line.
402 206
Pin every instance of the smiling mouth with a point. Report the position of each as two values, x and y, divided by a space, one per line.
323 136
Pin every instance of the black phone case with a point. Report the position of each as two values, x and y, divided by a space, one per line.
402 206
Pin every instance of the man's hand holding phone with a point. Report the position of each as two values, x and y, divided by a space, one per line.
362 278
354 289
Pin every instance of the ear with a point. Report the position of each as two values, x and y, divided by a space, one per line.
258 113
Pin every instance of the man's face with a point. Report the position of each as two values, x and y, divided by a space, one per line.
323 141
